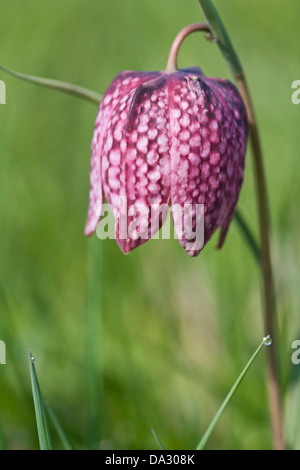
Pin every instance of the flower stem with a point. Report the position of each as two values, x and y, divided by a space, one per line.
172 61
266 267
221 36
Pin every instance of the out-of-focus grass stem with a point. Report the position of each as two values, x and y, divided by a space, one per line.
94 338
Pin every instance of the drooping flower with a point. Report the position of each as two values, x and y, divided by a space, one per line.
174 138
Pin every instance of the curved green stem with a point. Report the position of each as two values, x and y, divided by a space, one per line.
191 28
58 85
222 38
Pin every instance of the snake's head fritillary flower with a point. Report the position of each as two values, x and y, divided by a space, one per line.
174 138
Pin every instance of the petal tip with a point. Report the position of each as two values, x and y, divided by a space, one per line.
89 230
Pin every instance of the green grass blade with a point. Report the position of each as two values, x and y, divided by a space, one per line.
40 412
266 341
60 431
248 235
158 441
221 36
58 85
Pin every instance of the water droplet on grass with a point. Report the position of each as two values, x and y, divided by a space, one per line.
267 341
31 356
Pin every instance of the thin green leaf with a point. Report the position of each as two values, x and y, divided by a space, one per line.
158 441
40 412
221 37
60 431
58 85
248 235
267 342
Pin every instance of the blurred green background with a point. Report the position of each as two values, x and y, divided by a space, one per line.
152 339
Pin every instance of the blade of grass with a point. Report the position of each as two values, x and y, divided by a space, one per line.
266 341
94 341
58 85
60 431
158 441
248 235
221 37
40 412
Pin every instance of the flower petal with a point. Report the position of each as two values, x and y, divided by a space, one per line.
147 164
120 86
136 169
96 195
236 120
207 157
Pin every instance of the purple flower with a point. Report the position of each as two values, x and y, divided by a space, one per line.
168 139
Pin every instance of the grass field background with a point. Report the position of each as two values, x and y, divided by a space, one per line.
153 339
